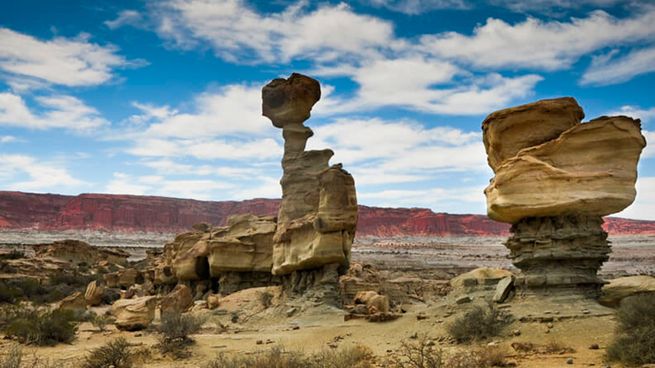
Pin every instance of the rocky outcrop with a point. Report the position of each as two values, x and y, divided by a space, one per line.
177 301
134 314
555 178
582 168
318 212
78 252
93 293
623 287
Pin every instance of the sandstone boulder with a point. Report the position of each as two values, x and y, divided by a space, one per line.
588 169
177 301
93 294
134 314
623 287
375 303
78 252
479 277
244 245
74 302
188 256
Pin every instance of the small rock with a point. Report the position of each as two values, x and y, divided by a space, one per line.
414 335
420 317
138 334
291 311
569 361
295 328
594 347
259 342
463 299
516 332
549 325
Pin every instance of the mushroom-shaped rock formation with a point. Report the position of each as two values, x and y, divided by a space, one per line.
555 177
318 212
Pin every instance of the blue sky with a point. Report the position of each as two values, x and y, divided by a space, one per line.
163 97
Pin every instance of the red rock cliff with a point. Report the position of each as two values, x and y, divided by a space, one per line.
160 214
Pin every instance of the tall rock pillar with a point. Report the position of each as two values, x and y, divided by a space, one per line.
318 212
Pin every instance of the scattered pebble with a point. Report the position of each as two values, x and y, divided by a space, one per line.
569 361
594 347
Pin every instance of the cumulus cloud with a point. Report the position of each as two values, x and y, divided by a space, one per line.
646 115
60 61
644 205
27 173
7 139
236 32
539 44
414 7
58 111
123 183
126 17
608 70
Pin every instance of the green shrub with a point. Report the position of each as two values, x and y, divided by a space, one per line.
634 343
477 324
13 254
100 321
114 354
41 327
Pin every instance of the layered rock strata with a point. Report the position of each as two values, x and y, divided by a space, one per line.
555 177
318 212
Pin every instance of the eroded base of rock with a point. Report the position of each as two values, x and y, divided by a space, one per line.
559 254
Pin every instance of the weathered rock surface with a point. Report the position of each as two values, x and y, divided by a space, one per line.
93 294
244 245
555 178
177 301
318 212
623 287
74 302
134 314
479 277
588 169
78 252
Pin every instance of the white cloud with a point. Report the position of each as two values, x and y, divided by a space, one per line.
208 149
465 199
608 70
646 115
234 109
534 43
550 6
26 173
236 32
158 185
126 17
644 205
63 61
58 111
7 139
414 7
649 151
427 86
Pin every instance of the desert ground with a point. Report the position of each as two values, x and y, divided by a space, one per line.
413 272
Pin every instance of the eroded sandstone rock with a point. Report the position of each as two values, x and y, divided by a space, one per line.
318 212
177 301
555 178
134 314
623 287
93 294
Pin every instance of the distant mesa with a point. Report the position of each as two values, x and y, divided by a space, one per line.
131 214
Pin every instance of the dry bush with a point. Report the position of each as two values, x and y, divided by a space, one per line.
175 330
277 357
41 327
274 358
100 321
634 343
266 298
12 358
114 354
348 357
552 347
421 353
477 324
484 357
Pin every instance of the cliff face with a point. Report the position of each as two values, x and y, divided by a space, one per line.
159 214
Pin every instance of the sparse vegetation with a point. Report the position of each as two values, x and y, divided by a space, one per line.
100 321
13 254
265 298
114 354
485 357
634 343
13 358
348 357
277 357
40 327
422 353
175 330
481 322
